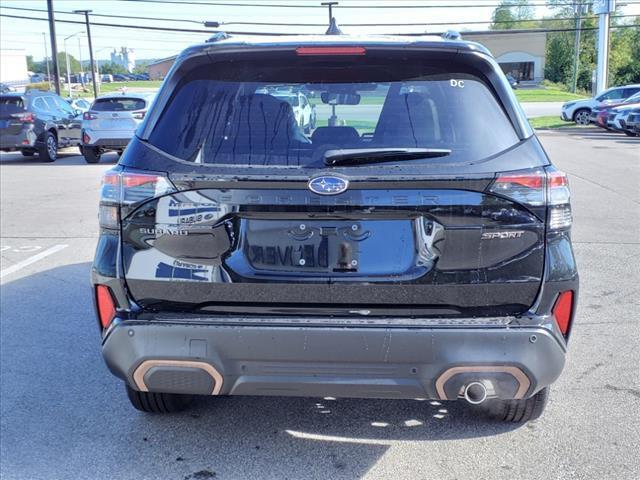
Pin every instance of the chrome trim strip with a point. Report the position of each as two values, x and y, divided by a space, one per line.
515 372
144 367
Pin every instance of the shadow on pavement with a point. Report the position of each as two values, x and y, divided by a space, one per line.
63 412
68 156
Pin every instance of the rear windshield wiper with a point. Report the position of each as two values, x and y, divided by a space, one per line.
359 156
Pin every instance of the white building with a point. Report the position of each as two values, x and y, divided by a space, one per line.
13 67
125 58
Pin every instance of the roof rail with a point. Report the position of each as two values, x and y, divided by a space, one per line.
452 35
218 36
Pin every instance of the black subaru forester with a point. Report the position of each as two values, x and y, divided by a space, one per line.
414 244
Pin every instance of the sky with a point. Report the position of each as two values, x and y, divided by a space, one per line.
28 34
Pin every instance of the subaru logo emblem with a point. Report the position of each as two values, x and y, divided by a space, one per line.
328 185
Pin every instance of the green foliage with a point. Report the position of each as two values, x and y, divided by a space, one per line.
510 10
111 68
74 64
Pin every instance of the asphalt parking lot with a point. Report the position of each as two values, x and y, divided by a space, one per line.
64 416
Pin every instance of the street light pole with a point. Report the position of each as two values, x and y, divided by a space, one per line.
93 71
66 53
46 58
54 46
603 8
80 60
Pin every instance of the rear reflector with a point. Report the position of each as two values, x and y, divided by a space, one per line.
308 51
106 306
562 310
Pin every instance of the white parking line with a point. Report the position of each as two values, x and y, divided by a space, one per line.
30 260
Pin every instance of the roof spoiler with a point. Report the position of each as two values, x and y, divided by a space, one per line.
218 36
451 35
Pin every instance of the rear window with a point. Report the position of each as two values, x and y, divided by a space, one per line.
9 105
245 114
118 104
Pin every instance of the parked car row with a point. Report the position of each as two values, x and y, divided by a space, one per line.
41 122
614 109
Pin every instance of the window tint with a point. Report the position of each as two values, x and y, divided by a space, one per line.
63 105
51 103
9 105
238 122
39 104
616 94
629 92
119 104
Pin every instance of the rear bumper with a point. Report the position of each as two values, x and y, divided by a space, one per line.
110 139
26 138
361 362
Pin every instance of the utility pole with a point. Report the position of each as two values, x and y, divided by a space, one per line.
93 70
54 46
46 58
603 8
578 9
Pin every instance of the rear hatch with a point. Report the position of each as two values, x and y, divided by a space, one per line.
116 113
12 114
392 205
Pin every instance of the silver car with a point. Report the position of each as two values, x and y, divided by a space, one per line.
111 123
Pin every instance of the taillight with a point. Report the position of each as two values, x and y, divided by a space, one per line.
106 305
536 188
25 117
121 188
89 116
138 115
562 310
525 187
306 51
558 199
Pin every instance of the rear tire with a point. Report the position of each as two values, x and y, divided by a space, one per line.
27 153
48 152
518 411
91 154
154 402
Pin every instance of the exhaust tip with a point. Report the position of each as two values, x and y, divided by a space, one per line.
475 393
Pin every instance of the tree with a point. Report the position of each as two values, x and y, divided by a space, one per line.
62 63
509 10
111 68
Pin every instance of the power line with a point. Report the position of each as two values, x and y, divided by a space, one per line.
420 24
348 6
210 32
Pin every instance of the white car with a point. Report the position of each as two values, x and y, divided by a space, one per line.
79 105
304 112
111 123
580 110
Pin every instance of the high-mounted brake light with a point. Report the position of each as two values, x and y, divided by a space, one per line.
562 310
106 305
310 51
126 188
89 116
